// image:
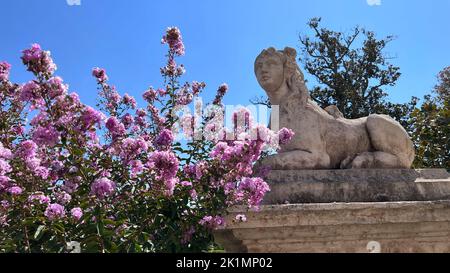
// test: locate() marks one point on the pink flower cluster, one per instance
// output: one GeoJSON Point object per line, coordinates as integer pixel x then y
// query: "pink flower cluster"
{"type": "Point", "coordinates": [103, 187]}
{"type": "Point", "coordinates": [164, 138]}
{"type": "Point", "coordinates": [255, 189]}
{"type": "Point", "coordinates": [72, 165]}
{"type": "Point", "coordinates": [115, 127]}
{"type": "Point", "coordinates": [212, 222]}
{"type": "Point", "coordinates": [4, 71]}
{"type": "Point", "coordinates": [76, 213]}
{"type": "Point", "coordinates": [285, 135]}
{"type": "Point", "coordinates": [38, 61]}
{"type": "Point", "coordinates": [174, 40]}
{"type": "Point", "coordinates": [223, 88]}
{"type": "Point", "coordinates": [165, 163]}
{"type": "Point", "coordinates": [176, 48]}
{"type": "Point", "coordinates": [100, 74]}
{"type": "Point", "coordinates": [54, 212]}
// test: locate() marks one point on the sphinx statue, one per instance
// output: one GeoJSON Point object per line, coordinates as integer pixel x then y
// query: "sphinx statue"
{"type": "Point", "coordinates": [324, 139]}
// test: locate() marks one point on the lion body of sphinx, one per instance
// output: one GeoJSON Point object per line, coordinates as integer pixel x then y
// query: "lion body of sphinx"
{"type": "Point", "coordinates": [324, 141]}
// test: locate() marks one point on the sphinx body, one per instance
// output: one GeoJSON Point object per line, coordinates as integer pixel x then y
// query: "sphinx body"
{"type": "Point", "coordinates": [324, 139]}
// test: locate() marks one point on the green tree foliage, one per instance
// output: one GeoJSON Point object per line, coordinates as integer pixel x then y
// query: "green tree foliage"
{"type": "Point", "coordinates": [352, 72]}
{"type": "Point", "coordinates": [431, 126]}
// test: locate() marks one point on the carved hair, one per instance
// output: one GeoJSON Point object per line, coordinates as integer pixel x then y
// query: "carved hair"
{"type": "Point", "coordinates": [292, 73]}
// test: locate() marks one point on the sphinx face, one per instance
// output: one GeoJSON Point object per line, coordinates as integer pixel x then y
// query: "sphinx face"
{"type": "Point", "coordinates": [269, 72]}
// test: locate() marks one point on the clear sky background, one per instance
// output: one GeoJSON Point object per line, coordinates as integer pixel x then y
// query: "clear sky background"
{"type": "Point", "coordinates": [222, 39]}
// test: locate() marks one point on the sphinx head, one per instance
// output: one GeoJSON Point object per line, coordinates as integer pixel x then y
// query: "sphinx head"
{"type": "Point", "coordinates": [274, 67]}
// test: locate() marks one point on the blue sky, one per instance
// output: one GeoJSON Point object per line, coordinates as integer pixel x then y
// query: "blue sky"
{"type": "Point", "coordinates": [222, 39]}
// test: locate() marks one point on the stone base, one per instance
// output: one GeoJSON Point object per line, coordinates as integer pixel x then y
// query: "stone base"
{"type": "Point", "coordinates": [418, 226]}
{"type": "Point", "coordinates": [365, 185]}
{"type": "Point", "coordinates": [393, 210]}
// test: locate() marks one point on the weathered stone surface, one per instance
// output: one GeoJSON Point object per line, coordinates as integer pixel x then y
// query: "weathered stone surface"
{"type": "Point", "coordinates": [324, 139]}
{"type": "Point", "coordinates": [365, 185]}
{"type": "Point", "coordinates": [419, 226]}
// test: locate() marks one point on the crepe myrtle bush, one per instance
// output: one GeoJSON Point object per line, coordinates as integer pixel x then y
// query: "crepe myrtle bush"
{"type": "Point", "coordinates": [113, 178]}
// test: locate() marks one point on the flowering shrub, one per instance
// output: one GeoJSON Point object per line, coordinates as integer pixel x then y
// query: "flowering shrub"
{"type": "Point", "coordinates": [115, 179]}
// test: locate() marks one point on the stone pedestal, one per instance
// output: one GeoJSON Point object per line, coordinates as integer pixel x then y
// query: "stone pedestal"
{"type": "Point", "coordinates": [366, 185]}
{"type": "Point", "coordinates": [346, 211]}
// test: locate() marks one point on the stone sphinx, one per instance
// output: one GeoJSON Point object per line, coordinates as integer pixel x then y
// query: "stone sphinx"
{"type": "Point", "coordinates": [324, 139]}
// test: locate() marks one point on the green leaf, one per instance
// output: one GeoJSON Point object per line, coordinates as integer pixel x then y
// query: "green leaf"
{"type": "Point", "coordinates": [39, 232]}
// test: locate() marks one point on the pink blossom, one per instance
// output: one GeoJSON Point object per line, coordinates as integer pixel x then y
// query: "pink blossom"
{"type": "Point", "coordinates": [76, 213]}
{"type": "Point", "coordinates": [4, 71]}
{"type": "Point", "coordinates": [129, 101]}
{"type": "Point", "coordinates": [32, 54]}
{"type": "Point", "coordinates": [166, 164]}
{"type": "Point", "coordinates": [174, 40]}
{"type": "Point", "coordinates": [222, 151]}
{"type": "Point", "coordinates": [173, 70]}
{"type": "Point", "coordinates": [4, 152]}
{"type": "Point", "coordinates": [255, 188]}
{"type": "Point", "coordinates": [42, 172]}
{"type": "Point", "coordinates": [47, 135]}
{"type": "Point", "coordinates": [56, 87]}
{"type": "Point", "coordinates": [197, 87]}
{"type": "Point", "coordinates": [221, 91]}
{"type": "Point", "coordinates": [170, 186]}
{"type": "Point", "coordinates": [115, 127]}
{"type": "Point", "coordinates": [38, 61]}
{"type": "Point", "coordinates": [32, 163]}
{"type": "Point", "coordinates": [161, 92]}
{"type": "Point", "coordinates": [71, 185]}
{"type": "Point", "coordinates": [200, 169]}
{"type": "Point", "coordinates": [27, 149]}
{"type": "Point", "coordinates": [186, 184]}
{"type": "Point", "coordinates": [157, 119]}
{"type": "Point", "coordinates": [4, 182]}
{"type": "Point", "coordinates": [4, 167]}
{"type": "Point", "coordinates": [19, 130]}
{"type": "Point", "coordinates": [63, 198]}
{"type": "Point", "coordinates": [136, 167]}
{"type": "Point", "coordinates": [132, 147]}
{"type": "Point", "coordinates": [99, 74]}
{"type": "Point", "coordinates": [63, 158]}
{"type": "Point", "coordinates": [103, 187]}
{"type": "Point", "coordinates": [189, 170]}
{"type": "Point", "coordinates": [90, 117]}
{"type": "Point", "coordinates": [141, 112]}
{"type": "Point", "coordinates": [127, 120]}
{"type": "Point", "coordinates": [54, 212]}
{"type": "Point", "coordinates": [164, 138]}
{"type": "Point", "coordinates": [41, 117]}
{"type": "Point", "coordinates": [184, 95]}
{"type": "Point", "coordinates": [15, 190]}
{"type": "Point", "coordinates": [40, 197]}
{"type": "Point", "coordinates": [149, 95]}
{"type": "Point", "coordinates": [211, 222]}
{"type": "Point", "coordinates": [193, 194]}
{"type": "Point", "coordinates": [285, 135]}
{"type": "Point", "coordinates": [30, 91]}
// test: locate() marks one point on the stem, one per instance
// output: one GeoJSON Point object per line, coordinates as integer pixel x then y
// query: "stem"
{"type": "Point", "coordinates": [27, 239]}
